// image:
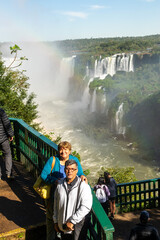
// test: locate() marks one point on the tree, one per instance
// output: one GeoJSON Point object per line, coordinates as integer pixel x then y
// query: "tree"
{"type": "Point", "coordinates": [14, 97]}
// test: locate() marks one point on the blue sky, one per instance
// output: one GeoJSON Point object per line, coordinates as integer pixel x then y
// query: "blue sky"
{"type": "Point", "coordinates": [50, 20]}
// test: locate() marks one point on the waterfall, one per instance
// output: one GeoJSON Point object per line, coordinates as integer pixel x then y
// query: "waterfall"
{"type": "Point", "coordinates": [93, 102]}
{"type": "Point", "coordinates": [111, 69]}
{"type": "Point", "coordinates": [131, 65]}
{"type": "Point", "coordinates": [61, 83]}
{"type": "Point", "coordinates": [98, 68]}
{"type": "Point", "coordinates": [120, 129]}
{"type": "Point", "coordinates": [110, 65]}
{"type": "Point", "coordinates": [103, 104]}
{"type": "Point", "coordinates": [125, 62]}
{"type": "Point", "coordinates": [86, 96]}
{"type": "Point", "coordinates": [104, 67]}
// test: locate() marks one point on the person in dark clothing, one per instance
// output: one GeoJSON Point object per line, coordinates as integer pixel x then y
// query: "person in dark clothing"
{"type": "Point", "coordinates": [6, 135]}
{"type": "Point", "coordinates": [112, 186]}
{"type": "Point", "coordinates": [144, 230]}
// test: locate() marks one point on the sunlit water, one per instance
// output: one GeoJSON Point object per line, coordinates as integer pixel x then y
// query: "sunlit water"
{"type": "Point", "coordinates": [57, 117]}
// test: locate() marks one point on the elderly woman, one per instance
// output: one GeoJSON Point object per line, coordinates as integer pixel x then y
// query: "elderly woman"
{"type": "Point", "coordinates": [64, 153]}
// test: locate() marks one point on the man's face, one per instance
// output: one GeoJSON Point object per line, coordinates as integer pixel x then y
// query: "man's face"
{"type": "Point", "coordinates": [71, 172]}
{"type": "Point", "coordinates": [64, 153]}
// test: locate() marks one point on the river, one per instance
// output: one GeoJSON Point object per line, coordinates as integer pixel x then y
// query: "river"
{"type": "Point", "coordinates": [57, 116]}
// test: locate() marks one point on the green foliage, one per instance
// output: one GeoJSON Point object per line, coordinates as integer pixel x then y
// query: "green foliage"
{"type": "Point", "coordinates": [76, 154]}
{"type": "Point", "coordinates": [133, 88]}
{"type": "Point", "coordinates": [120, 174]}
{"type": "Point", "coordinates": [15, 50]}
{"type": "Point", "coordinates": [14, 97]}
{"type": "Point", "coordinates": [109, 46]}
{"type": "Point", "coordinates": [86, 172]}
{"type": "Point", "coordinates": [51, 136]}
{"type": "Point", "coordinates": [106, 84]}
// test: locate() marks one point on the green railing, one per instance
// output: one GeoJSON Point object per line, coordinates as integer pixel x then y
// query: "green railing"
{"type": "Point", "coordinates": [138, 195]}
{"type": "Point", "coordinates": [33, 149]}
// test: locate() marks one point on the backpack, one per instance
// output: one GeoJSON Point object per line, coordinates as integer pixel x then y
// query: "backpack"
{"type": "Point", "coordinates": [101, 195]}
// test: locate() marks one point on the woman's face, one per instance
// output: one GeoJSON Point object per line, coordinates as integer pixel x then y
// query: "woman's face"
{"type": "Point", "coordinates": [64, 153]}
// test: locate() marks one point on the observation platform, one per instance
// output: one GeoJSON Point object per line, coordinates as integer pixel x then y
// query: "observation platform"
{"type": "Point", "coordinates": [22, 213]}
{"type": "Point", "coordinates": [21, 209]}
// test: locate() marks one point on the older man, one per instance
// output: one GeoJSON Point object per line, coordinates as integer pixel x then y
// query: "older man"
{"type": "Point", "coordinates": [72, 202]}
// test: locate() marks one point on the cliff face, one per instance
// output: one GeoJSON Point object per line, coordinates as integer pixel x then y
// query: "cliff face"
{"type": "Point", "coordinates": [145, 58]}
{"type": "Point", "coordinates": [144, 120]}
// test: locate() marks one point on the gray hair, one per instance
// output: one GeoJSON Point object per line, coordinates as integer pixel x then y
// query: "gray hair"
{"type": "Point", "coordinates": [70, 162]}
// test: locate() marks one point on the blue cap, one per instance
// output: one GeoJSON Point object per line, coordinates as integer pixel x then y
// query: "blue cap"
{"type": "Point", "coordinates": [144, 215]}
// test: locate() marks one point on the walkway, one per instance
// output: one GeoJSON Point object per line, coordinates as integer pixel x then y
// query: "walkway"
{"type": "Point", "coordinates": [20, 207]}
{"type": "Point", "coordinates": [124, 222]}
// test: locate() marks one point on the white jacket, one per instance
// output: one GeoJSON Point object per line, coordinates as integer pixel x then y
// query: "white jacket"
{"type": "Point", "coordinates": [65, 203]}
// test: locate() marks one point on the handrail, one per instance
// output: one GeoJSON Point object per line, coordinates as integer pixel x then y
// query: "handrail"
{"type": "Point", "coordinates": [138, 195]}
{"type": "Point", "coordinates": [33, 149]}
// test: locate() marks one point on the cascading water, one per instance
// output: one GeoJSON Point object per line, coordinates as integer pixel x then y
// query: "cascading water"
{"type": "Point", "coordinates": [131, 65]}
{"type": "Point", "coordinates": [125, 62]}
{"type": "Point", "coordinates": [120, 129]}
{"type": "Point", "coordinates": [86, 95]}
{"type": "Point", "coordinates": [93, 102]}
{"type": "Point", "coordinates": [103, 104]}
{"type": "Point", "coordinates": [110, 65]}
{"type": "Point", "coordinates": [61, 83]}
{"type": "Point", "coordinates": [104, 67]}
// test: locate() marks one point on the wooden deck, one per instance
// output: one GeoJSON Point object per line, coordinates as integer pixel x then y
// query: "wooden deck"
{"type": "Point", "coordinates": [124, 222]}
{"type": "Point", "coordinates": [20, 207]}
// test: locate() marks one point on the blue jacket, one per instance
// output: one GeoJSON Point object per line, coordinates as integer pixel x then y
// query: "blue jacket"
{"type": "Point", "coordinates": [51, 178]}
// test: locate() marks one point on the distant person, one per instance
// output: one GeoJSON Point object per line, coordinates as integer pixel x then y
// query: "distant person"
{"type": "Point", "coordinates": [6, 136]}
{"type": "Point", "coordinates": [112, 186]}
{"type": "Point", "coordinates": [58, 172]}
{"type": "Point", "coordinates": [72, 202]}
{"type": "Point", "coordinates": [144, 230]}
{"type": "Point", "coordinates": [102, 193]}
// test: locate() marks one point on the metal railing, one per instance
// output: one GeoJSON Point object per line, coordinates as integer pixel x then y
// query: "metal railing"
{"type": "Point", "coordinates": [33, 149]}
{"type": "Point", "coordinates": [138, 195]}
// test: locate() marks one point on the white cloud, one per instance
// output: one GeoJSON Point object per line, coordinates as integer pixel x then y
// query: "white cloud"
{"type": "Point", "coordinates": [97, 7]}
{"type": "Point", "coordinates": [75, 14]}
{"type": "Point", "coordinates": [149, 0]}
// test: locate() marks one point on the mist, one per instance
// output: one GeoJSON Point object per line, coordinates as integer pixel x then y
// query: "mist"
{"type": "Point", "coordinates": [49, 78]}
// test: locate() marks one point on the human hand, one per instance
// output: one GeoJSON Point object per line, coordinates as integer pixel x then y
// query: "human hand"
{"type": "Point", "coordinates": [83, 178]}
{"type": "Point", "coordinates": [70, 226]}
{"type": "Point", "coordinates": [10, 139]}
{"type": "Point", "coordinates": [56, 227]}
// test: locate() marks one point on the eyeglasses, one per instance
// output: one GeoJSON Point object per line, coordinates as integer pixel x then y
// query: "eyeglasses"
{"type": "Point", "coordinates": [70, 169]}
